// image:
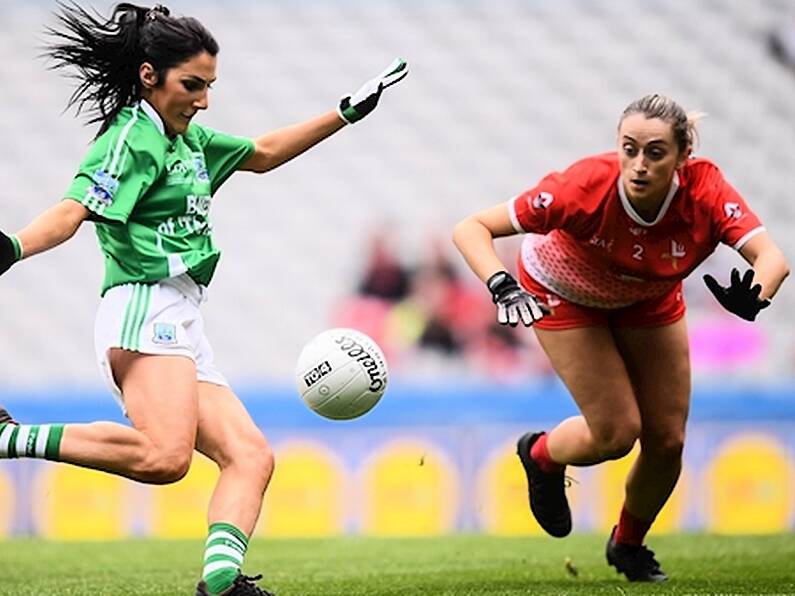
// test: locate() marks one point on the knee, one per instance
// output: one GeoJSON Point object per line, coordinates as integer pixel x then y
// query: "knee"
{"type": "Point", "coordinates": [253, 453]}
{"type": "Point", "coordinates": [663, 448]}
{"type": "Point", "coordinates": [164, 466]}
{"type": "Point", "coordinates": [265, 460]}
{"type": "Point", "coordinates": [617, 440]}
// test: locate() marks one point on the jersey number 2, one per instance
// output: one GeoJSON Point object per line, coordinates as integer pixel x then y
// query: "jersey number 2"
{"type": "Point", "coordinates": [637, 252]}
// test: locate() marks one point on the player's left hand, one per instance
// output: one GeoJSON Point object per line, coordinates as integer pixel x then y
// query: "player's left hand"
{"type": "Point", "coordinates": [356, 106]}
{"type": "Point", "coordinates": [9, 252]}
{"type": "Point", "coordinates": [513, 303]}
{"type": "Point", "coordinates": [740, 297]}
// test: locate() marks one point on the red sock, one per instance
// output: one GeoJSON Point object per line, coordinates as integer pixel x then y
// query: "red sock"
{"type": "Point", "coordinates": [540, 455]}
{"type": "Point", "coordinates": [631, 530]}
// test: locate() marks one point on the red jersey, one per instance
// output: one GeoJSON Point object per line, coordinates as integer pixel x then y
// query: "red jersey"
{"type": "Point", "coordinates": [587, 243]}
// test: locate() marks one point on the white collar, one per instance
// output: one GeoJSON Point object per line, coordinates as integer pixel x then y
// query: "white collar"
{"type": "Point", "coordinates": [635, 216]}
{"type": "Point", "coordinates": [150, 111]}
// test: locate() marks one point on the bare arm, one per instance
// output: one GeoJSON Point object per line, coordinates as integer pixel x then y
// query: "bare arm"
{"type": "Point", "coordinates": [474, 238]}
{"type": "Point", "coordinates": [280, 146]}
{"type": "Point", "coordinates": [54, 226]}
{"type": "Point", "coordinates": [770, 265]}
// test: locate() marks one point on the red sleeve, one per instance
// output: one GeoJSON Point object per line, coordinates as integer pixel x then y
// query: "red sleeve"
{"type": "Point", "coordinates": [733, 221]}
{"type": "Point", "coordinates": [561, 200]}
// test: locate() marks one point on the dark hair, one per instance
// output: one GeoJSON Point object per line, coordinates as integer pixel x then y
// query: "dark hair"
{"type": "Point", "coordinates": [666, 109]}
{"type": "Point", "coordinates": [107, 53]}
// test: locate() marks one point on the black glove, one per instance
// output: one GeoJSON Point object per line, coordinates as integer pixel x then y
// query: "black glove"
{"type": "Point", "coordinates": [356, 106]}
{"type": "Point", "coordinates": [740, 297]}
{"type": "Point", "coordinates": [513, 303]}
{"type": "Point", "coordinates": [9, 252]}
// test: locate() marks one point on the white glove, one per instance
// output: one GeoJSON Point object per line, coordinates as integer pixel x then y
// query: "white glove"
{"type": "Point", "coordinates": [514, 305]}
{"type": "Point", "coordinates": [354, 107]}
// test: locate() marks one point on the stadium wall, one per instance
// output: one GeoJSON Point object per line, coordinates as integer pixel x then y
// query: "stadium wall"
{"type": "Point", "coordinates": [428, 460]}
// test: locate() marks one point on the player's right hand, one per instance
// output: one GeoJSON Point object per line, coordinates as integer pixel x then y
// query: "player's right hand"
{"type": "Point", "coordinates": [9, 252]}
{"type": "Point", "coordinates": [357, 105]}
{"type": "Point", "coordinates": [513, 303]}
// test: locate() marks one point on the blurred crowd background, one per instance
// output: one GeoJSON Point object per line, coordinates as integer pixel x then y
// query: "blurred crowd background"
{"type": "Point", "coordinates": [358, 233]}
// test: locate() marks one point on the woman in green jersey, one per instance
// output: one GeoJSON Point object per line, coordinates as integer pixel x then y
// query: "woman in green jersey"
{"type": "Point", "coordinates": [147, 183]}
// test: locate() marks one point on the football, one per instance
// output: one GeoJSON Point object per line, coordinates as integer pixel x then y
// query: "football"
{"type": "Point", "coordinates": [341, 373]}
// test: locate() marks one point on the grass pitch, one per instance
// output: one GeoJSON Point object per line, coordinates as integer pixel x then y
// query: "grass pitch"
{"type": "Point", "coordinates": [447, 566]}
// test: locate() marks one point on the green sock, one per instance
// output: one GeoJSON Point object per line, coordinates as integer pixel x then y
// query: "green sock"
{"type": "Point", "coordinates": [30, 440]}
{"type": "Point", "coordinates": [223, 556]}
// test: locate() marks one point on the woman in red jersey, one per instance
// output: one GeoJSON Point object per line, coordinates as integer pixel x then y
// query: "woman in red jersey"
{"type": "Point", "coordinates": [609, 241]}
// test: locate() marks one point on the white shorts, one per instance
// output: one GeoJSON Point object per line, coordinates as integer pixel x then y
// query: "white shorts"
{"type": "Point", "coordinates": [162, 318]}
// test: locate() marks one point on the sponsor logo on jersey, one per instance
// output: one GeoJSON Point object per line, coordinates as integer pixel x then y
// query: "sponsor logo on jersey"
{"type": "Point", "coordinates": [197, 204]}
{"type": "Point", "coordinates": [165, 333]}
{"type": "Point", "coordinates": [542, 200]}
{"type": "Point", "coordinates": [677, 252]}
{"type": "Point", "coordinates": [637, 231]}
{"type": "Point", "coordinates": [733, 210]}
{"type": "Point", "coordinates": [200, 168]}
{"type": "Point", "coordinates": [103, 188]}
{"type": "Point", "coordinates": [186, 172]}
{"type": "Point", "coordinates": [317, 373]}
{"type": "Point", "coordinates": [195, 220]}
{"type": "Point", "coordinates": [99, 194]}
{"type": "Point", "coordinates": [178, 172]}
{"type": "Point", "coordinates": [601, 243]}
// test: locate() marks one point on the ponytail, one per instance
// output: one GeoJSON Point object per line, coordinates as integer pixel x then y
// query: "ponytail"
{"type": "Point", "coordinates": [107, 53]}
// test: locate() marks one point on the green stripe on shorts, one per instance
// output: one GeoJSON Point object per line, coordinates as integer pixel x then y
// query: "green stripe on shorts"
{"type": "Point", "coordinates": [134, 316]}
{"type": "Point", "coordinates": [126, 322]}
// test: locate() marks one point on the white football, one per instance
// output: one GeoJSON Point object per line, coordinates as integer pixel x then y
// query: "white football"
{"type": "Point", "coordinates": [341, 373]}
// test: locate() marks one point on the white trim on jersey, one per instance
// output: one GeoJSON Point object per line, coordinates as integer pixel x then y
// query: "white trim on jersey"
{"type": "Point", "coordinates": [663, 210]}
{"type": "Point", "coordinates": [117, 155]}
{"type": "Point", "coordinates": [514, 219]}
{"type": "Point", "coordinates": [150, 111]}
{"type": "Point", "coordinates": [176, 266]}
{"type": "Point", "coordinates": [741, 242]}
{"type": "Point", "coordinates": [120, 145]}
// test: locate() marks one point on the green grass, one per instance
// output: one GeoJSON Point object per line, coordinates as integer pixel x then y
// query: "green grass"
{"type": "Point", "coordinates": [353, 566]}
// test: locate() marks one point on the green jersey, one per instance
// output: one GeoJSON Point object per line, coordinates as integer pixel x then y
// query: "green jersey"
{"type": "Point", "coordinates": [151, 195]}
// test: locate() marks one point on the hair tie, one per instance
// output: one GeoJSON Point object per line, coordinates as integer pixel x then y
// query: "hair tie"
{"type": "Point", "coordinates": [152, 13]}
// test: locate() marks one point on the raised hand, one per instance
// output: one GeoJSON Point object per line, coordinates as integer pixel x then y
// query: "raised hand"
{"type": "Point", "coordinates": [513, 303]}
{"type": "Point", "coordinates": [739, 297]}
{"type": "Point", "coordinates": [356, 106]}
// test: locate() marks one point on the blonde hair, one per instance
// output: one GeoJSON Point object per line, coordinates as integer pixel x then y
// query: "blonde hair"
{"type": "Point", "coordinates": [684, 124]}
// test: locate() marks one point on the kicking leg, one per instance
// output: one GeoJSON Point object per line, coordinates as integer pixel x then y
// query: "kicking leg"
{"type": "Point", "coordinates": [161, 399]}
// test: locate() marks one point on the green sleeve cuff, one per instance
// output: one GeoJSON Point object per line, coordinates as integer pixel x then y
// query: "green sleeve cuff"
{"type": "Point", "coordinates": [17, 247]}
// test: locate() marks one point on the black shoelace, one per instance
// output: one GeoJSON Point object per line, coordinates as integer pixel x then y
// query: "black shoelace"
{"type": "Point", "coordinates": [244, 584]}
{"type": "Point", "coordinates": [646, 558]}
